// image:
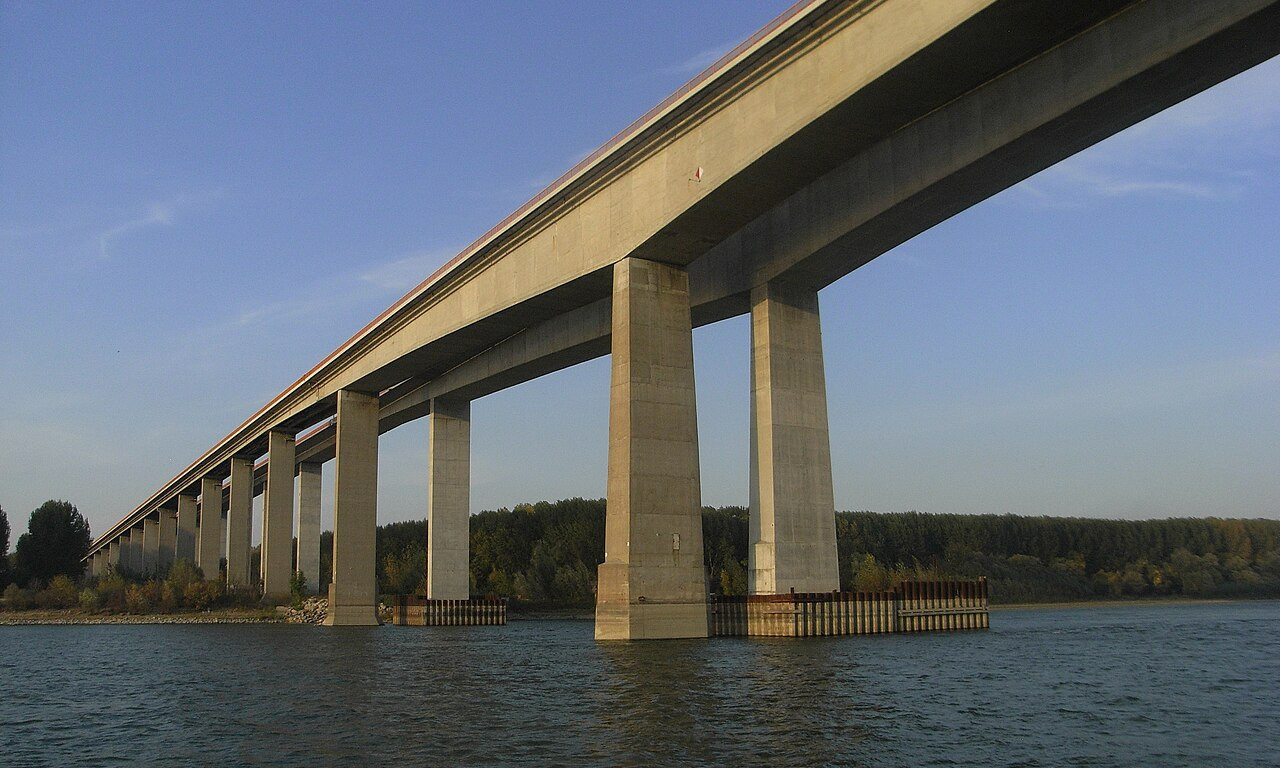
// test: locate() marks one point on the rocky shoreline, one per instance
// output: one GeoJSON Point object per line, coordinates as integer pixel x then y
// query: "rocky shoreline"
{"type": "Point", "coordinates": [72, 616]}
{"type": "Point", "coordinates": [313, 611]}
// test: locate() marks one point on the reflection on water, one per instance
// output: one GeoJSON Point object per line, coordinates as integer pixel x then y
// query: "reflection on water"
{"type": "Point", "coordinates": [1167, 685]}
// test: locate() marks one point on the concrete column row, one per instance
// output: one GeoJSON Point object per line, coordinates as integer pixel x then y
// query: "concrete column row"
{"type": "Point", "coordinates": [652, 583]}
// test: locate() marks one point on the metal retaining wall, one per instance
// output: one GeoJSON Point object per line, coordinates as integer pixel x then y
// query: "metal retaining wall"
{"type": "Point", "coordinates": [912, 606]}
{"type": "Point", "coordinates": [411, 610]}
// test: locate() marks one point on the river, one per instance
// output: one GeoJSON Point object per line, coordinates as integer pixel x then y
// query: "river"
{"type": "Point", "coordinates": [1160, 685]}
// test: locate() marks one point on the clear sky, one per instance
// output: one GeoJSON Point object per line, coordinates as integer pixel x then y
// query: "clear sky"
{"type": "Point", "coordinates": [200, 201]}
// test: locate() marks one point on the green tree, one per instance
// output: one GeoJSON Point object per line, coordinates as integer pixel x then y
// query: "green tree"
{"type": "Point", "coordinates": [4, 549]}
{"type": "Point", "coordinates": [56, 542]}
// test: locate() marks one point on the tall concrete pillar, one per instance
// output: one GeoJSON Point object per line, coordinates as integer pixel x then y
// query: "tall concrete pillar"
{"type": "Point", "coordinates": [185, 544]}
{"type": "Point", "coordinates": [240, 522]}
{"type": "Point", "coordinates": [113, 555]}
{"type": "Point", "coordinates": [652, 583]}
{"type": "Point", "coordinates": [135, 551]}
{"type": "Point", "coordinates": [309, 524]}
{"type": "Point", "coordinates": [168, 537]}
{"type": "Point", "coordinates": [95, 564]}
{"type": "Point", "coordinates": [353, 593]}
{"type": "Point", "coordinates": [449, 500]}
{"type": "Point", "coordinates": [277, 518]}
{"type": "Point", "coordinates": [209, 532]}
{"type": "Point", "coordinates": [150, 546]}
{"type": "Point", "coordinates": [793, 523]}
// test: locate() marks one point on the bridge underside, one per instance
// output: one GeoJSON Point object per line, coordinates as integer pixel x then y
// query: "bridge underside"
{"type": "Point", "coordinates": [838, 134]}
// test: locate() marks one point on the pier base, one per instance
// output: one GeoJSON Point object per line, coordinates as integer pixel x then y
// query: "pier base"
{"type": "Point", "coordinates": [912, 606]}
{"type": "Point", "coordinates": [417, 611]}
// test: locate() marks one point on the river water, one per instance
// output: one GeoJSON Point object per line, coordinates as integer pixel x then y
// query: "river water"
{"type": "Point", "coordinates": [1159, 685]}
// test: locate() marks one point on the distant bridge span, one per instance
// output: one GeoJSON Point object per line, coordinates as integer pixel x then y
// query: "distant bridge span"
{"type": "Point", "coordinates": [840, 130]}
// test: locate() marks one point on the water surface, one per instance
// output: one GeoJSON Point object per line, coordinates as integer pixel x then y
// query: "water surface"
{"type": "Point", "coordinates": [1167, 685]}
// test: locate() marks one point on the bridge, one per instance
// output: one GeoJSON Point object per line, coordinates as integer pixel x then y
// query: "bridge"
{"type": "Point", "coordinates": [840, 130]}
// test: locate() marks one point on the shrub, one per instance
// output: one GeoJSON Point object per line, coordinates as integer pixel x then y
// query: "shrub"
{"type": "Point", "coordinates": [297, 588]}
{"type": "Point", "coordinates": [137, 599]}
{"type": "Point", "coordinates": [111, 590]}
{"type": "Point", "coordinates": [183, 573]}
{"type": "Point", "coordinates": [90, 600]}
{"type": "Point", "coordinates": [17, 598]}
{"type": "Point", "coordinates": [168, 598]}
{"type": "Point", "coordinates": [202, 595]}
{"type": "Point", "coordinates": [61, 593]}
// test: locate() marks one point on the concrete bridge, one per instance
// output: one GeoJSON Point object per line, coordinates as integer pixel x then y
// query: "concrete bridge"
{"type": "Point", "coordinates": [840, 130]}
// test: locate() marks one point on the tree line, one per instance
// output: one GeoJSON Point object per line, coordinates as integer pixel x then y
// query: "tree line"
{"type": "Point", "coordinates": [546, 554]}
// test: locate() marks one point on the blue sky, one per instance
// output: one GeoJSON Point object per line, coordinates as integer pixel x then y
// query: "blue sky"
{"type": "Point", "coordinates": [199, 201]}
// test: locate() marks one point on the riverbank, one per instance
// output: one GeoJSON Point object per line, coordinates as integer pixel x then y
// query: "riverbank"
{"type": "Point", "coordinates": [1125, 603]}
{"type": "Point", "coordinates": [75, 616]}
{"type": "Point", "coordinates": [275, 616]}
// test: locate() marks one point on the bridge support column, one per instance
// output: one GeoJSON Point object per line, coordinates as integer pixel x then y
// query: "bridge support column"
{"type": "Point", "coordinates": [353, 593]}
{"type": "Point", "coordinates": [449, 501]}
{"type": "Point", "coordinates": [652, 583]}
{"type": "Point", "coordinates": [168, 537]}
{"type": "Point", "coordinates": [793, 526]}
{"type": "Point", "coordinates": [209, 531]}
{"type": "Point", "coordinates": [240, 522]}
{"type": "Point", "coordinates": [95, 564]}
{"type": "Point", "coordinates": [185, 544]}
{"type": "Point", "coordinates": [113, 555]}
{"type": "Point", "coordinates": [309, 524]}
{"type": "Point", "coordinates": [150, 546]}
{"type": "Point", "coordinates": [135, 551]}
{"type": "Point", "coordinates": [277, 518]}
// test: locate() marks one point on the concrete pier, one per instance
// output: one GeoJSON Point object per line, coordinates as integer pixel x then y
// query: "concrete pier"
{"type": "Point", "coordinates": [135, 551]}
{"type": "Point", "coordinates": [449, 500]}
{"type": "Point", "coordinates": [793, 518]}
{"type": "Point", "coordinates": [209, 530]}
{"type": "Point", "coordinates": [240, 522]}
{"type": "Point", "coordinates": [185, 545]}
{"type": "Point", "coordinates": [168, 537]}
{"type": "Point", "coordinates": [150, 546]}
{"type": "Point", "coordinates": [277, 518]}
{"type": "Point", "coordinates": [353, 594]}
{"type": "Point", "coordinates": [113, 555]}
{"type": "Point", "coordinates": [309, 524]}
{"type": "Point", "coordinates": [651, 583]}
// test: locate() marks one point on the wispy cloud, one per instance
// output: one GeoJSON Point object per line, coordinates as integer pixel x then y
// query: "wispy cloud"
{"type": "Point", "coordinates": [1077, 183]}
{"type": "Point", "coordinates": [157, 214]}
{"type": "Point", "coordinates": [401, 274]}
{"type": "Point", "coordinates": [698, 61]}
{"type": "Point", "coordinates": [1206, 148]}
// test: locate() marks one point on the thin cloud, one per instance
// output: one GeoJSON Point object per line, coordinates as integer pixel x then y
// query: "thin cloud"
{"type": "Point", "coordinates": [1079, 179]}
{"type": "Point", "coordinates": [698, 61]}
{"type": "Point", "coordinates": [1205, 148]}
{"type": "Point", "coordinates": [402, 274]}
{"type": "Point", "coordinates": [159, 214]}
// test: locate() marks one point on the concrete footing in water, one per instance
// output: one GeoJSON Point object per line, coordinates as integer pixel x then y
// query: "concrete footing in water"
{"type": "Point", "coordinates": [408, 610]}
{"type": "Point", "coordinates": [912, 606]}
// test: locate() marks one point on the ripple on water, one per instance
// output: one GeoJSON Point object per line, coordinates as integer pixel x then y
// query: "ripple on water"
{"type": "Point", "coordinates": [1174, 685]}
